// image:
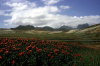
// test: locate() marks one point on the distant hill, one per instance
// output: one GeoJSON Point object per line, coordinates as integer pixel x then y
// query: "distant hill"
{"type": "Point", "coordinates": [82, 26]}
{"type": "Point", "coordinates": [65, 28]}
{"type": "Point", "coordinates": [89, 29]}
{"type": "Point", "coordinates": [4, 28]}
{"type": "Point", "coordinates": [92, 29]}
{"type": "Point", "coordinates": [22, 27]}
{"type": "Point", "coordinates": [45, 28]}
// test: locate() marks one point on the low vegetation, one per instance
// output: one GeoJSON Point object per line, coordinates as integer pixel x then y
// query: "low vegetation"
{"type": "Point", "coordinates": [34, 52]}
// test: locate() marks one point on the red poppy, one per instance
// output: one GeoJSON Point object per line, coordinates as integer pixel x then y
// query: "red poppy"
{"type": "Point", "coordinates": [49, 55]}
{"type": "Point", "coordinates": [76, 55]}
{"type": "Point", "coordinates": [21, 53]}
{"type": "Point", "coordinates": [64, 52]}
{"type": "Point", "coordinates": [33, 47]}
{"type": "Point", "coordinates": [27, 48]}
{"type": "Point", "coordinates": [13, 61]}
{"type": "Point", "coordinates": [6, 52]}
{"type": "Point", "coordinates": [52, 57]}
{"type": "Point", "coordinates": [1, 50]}
{"type": "Point", "coordinates": [38, 50]}
{"type": "Point", "coordinates": [29, 52]}
{"type": "Point", "coordinates": [0, 57]}
{"type": "Point", "coordinates": [56, 50]}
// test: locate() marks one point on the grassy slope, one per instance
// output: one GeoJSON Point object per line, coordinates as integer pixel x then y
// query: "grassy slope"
{"type": "Point", "coordinates": [53, 36]}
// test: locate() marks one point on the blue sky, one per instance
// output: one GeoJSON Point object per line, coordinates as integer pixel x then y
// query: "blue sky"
{"type": "Point", "coordinates": [53, 13]}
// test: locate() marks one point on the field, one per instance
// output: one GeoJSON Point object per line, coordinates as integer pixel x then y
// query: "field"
{"type": "Point", "coordinates": [46, 48]}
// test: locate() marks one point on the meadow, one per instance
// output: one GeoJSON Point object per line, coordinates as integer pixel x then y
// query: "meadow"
{"type": "Point", "coordinates": [46, 48]}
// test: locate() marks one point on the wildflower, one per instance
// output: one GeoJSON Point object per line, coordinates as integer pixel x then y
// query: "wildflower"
{"type": "Point", "coordinates": [1, 50]}
{"type": "Point", "coordinates": [38, 50]}
{"type": "Point", "coordinates": [52, 57]}
{"type": "Point", "coordinates": [13, 61]}
{"type": "Point", "coordinates": [0, 57]}
{"type": "Point", "coordinates": [64, 52]}
{"type": "Point", "coordinates": [49, 55]}
{"type": "Point", "coordinates": [27, 48]}
{"type": "Point", "coordinates": [76, 55]}
{"type": "Point", "coordinates": [21, 53]}
{"type": "Point", "coordinates": [29, 52]}
{"type": "Point", "coordinates": [56, 50]}
{"type": "Point", "coordinates": [6, 52]}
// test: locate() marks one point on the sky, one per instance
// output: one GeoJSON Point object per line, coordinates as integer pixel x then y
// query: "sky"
{"type": "Point", "coordinates": [54, 13]}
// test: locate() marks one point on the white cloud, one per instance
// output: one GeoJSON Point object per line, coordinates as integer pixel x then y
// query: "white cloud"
{"type": "Point", "coordinates": [21, 6]}
{"type": "Point", "coordinates": [24, 13]}
{"type": "Point", "coordinates": [64, 7]}
{"type": "Point", "coordinates": [50, 2]}
{"type": "Point", "coordinates": [2, 12]}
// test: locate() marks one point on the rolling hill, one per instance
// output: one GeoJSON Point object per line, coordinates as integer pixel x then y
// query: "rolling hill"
{"type": "Point", "coordinates": [92, 29]}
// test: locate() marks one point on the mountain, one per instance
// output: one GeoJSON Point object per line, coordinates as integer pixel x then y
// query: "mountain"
{"type": "Point", "coordinates": [65, 28]}
{"type": "Point", "coordinates": [92, 29]}
{"type": "Point", "coordinates": [82, 26]}
{"type": "Point", "coordinates": [22, 27]}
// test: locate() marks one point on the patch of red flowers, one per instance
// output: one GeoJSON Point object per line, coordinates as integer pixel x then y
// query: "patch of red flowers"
{"type": "Point", "coordinates": [23, 49]}
{"type": "Point", "coordinates": [76, 55]}
{"type": "Point", "coordinates": [38, 50]}
{"type": "Point", "coordinates": [21, 53]}
{"type": "Point", "coordinates": [1, 57]}
{"type": "Point", "coordinates": [56, 50]}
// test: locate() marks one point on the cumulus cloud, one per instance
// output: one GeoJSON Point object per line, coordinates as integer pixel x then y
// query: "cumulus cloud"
{"type": "Point", "coordinates": [50, 2]}
{"type": "Point", "coordinates": [28, 13]}
{"type": "Point", "coordinates": [64, 7]}
{"type": "Point", "coordinates": [2, 12]}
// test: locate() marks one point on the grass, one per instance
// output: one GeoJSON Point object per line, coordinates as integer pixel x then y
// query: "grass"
{"type": "Point", "coordinates": [53, 36]}
{"type": "Point", "coordinates": [90, 57]}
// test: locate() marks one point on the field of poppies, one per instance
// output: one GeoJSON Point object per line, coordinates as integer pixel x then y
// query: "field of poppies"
{"type": "Point", "coordinates": [35, 52]}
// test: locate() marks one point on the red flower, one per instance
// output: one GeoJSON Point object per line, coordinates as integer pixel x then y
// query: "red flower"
{"type": "Point", "coordinates": [21, 53]}
{"type": "Point", "coordinates": [13, 61]}
{"type": "Point", "coordinates": [64, 52]}
{"type": "Point", "coordinates": [6, 52]}
{"type": "Point", "coordinates": [33, 47]}
{"type": "Point", "coordinates": [1, 50]}
{"type": "Point", "coordinates": [76, 55]}
{"type": "Point", "coordinates": [52, 57]}
{"type": "Point", "coordinates": [56, 50]}
{"type": "Point", "coordinates": [27, 48]}
{"type": "Point", "coordinates": [0, 57]}
{"type": "Point", "coordinates": [49, 55]}
{"type": "Point", "coordinates": [38, 50]}
{"type": "Point", "coordinates": [29, 52]}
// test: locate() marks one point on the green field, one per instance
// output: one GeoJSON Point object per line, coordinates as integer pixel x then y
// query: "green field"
{"type": "Point", "coordinates": [49, 35]}
{"type": "Point", "coordinates": [85, 44]}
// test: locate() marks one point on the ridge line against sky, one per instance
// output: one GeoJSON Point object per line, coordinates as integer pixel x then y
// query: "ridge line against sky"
{"type": "Point", "coordinates": [54, 13]}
